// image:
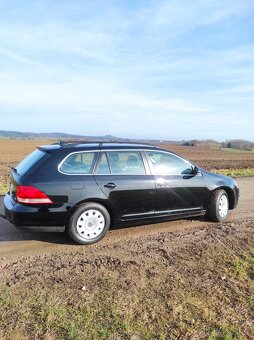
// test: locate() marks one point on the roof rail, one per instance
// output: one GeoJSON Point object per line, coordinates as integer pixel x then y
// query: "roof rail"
{"type": "Point", "coordinates": [76, 142]}
{"type": "Point", "coordinates": [65, 143]}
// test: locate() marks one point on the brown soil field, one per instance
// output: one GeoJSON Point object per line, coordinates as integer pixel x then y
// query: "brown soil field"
{"type": "Point", "coordinates": [13, 151]}
{"type": "Point", "coordinates": [214, 158]}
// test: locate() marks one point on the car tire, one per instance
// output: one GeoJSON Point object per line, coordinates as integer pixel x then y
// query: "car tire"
{"type": "Point", "coordinates": [89, 223]}
{"type": "Point", "coordinates": [219, 205]}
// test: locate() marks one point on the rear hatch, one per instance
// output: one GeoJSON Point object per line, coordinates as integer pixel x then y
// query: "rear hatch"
{"type": "Point", "coordinates": [20, 173]}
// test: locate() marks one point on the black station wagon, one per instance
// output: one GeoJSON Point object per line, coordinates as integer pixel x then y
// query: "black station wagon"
{"type": "Point", "coordinates": [86, 187]}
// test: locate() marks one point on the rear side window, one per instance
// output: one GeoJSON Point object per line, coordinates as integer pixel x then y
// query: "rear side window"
{"type": "Point", "coordinates": [29, 161]}
{"type": "Point", "coordinates": [79, 163]}
{"type": "Point", "coordinates": [121, 162]}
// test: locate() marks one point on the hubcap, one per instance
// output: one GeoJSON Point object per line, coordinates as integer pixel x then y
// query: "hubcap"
{"type": "Point", "coordinates": [223, 206]}
{"type": "Point", "coordinates": [90, 224]}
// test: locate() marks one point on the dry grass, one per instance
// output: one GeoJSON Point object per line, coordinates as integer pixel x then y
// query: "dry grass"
{"type": "Point", "coordinates": [236, 172]}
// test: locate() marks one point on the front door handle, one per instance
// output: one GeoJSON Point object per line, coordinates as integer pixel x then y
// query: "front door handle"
{"type": "Point", "coordinates": [161, 183]}
{"type": "Point", "coordinates": [110, 185]}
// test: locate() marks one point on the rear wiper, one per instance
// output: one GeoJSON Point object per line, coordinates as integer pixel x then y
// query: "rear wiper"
{"type": "Point", "coordinates": [14, 169]}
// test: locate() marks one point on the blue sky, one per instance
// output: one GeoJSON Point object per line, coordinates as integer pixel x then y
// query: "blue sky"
{"type": "Point", "coordinates": [149, 69]}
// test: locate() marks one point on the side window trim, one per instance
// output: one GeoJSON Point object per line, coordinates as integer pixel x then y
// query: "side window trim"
{"type": "Point", "coordinates": [97, 165]}
{"type": "Point", "coordinates": [146, 163]}
{"type": "Point", "coordinates": [106, 155]}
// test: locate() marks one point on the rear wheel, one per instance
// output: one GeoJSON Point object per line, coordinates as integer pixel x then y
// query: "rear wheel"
{"type": "Point", "coordinates": [218, 207]}
{"type": "Point", "coordinates": [89, 223]}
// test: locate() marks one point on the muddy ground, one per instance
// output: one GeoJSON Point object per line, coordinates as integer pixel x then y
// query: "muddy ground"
{"type": "Point", "coordinates": [187, 279]}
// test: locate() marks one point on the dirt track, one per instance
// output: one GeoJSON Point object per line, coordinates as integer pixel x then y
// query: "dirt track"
{"type": "Point", "coordinates": [16, 243]}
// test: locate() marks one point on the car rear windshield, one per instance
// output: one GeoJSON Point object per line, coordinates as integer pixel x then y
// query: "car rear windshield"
{"type": "Point", "coordinates": [29, 161]}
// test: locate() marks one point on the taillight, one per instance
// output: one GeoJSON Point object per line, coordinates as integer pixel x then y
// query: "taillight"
{"type": "Point", "coordinates": [31, 195]}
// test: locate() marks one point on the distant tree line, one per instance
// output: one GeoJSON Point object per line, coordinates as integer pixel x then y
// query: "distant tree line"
{"type": "Point", "coordinates": [238, 144]}
{"type": "Point", "coordinates": [190, 143]}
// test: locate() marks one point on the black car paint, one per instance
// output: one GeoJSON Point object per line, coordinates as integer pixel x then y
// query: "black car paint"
{"type": "Point", "coordinates": [135, 197]}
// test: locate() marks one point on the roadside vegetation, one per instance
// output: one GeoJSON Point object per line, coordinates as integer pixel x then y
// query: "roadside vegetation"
{"type": "Point", "coordinates": [236, 172]}
{"type": "Point", "coordinates": [234, 150]}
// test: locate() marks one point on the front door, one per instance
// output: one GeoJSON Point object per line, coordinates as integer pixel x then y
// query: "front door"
{"type": "Point", "coordinates": [179, 190]}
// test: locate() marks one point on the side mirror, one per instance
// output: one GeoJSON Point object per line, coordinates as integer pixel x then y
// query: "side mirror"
{"type": "Point", "coordinates": [195, 170]}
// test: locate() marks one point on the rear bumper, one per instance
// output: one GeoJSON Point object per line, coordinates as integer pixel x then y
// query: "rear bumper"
{"type": "Point", "coordinates": [41, 216]}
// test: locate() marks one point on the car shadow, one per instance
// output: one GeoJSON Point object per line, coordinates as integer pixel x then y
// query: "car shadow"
{"type": "Point", "coordinates": [8, 232]}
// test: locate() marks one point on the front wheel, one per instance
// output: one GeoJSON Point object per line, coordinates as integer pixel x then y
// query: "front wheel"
{"type": "Point", "coordinates": [218, 207]}
{"type": "Point", "coordinates": [89, 223]}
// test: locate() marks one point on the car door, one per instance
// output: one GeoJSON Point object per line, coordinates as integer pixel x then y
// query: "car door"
{"type": "Point", "coordinates": [77, 180]}
{"type": "Point", "coordinates": [125, 179]}
{"type": "Point", "coordinates": [178, 188]}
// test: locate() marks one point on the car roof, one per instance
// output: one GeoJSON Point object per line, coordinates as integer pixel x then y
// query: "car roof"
{"type": "Point", "coordinates": [83, 146]}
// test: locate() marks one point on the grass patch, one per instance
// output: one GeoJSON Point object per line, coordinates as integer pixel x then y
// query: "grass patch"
{"type": "Point", "coordinates": [160, 307]}
{"type": "Point", "coordinates": [236, 172]}
{"type": "Point", "coordinates": [243, 267]}
{"type": "Point", "coordinates": [234, 150]}
{"type": "Point", "coordinates": [223, 331]}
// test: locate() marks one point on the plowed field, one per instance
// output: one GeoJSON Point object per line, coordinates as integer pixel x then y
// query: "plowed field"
{"type": "Point", "coordinates": [13, 151]}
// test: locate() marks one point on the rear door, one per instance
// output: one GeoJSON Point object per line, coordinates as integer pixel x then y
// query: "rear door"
{"type": "Point", "coordinates": [125, 179]}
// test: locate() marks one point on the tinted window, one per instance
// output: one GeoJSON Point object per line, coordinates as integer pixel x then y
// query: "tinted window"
{"type": "Point", "coordinates": [29, 161]}
{"type": "Point", "coordinates": [167, 164]}
{"type": "Point", "coordinates": [79, 163]}
{"type": "Point", "coordinates": [126, 162]}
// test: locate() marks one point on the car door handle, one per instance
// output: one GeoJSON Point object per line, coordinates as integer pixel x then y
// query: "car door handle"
{"type": "Point", "coordinates": [110, 185]}
{"type": "Point", "coordinates": [161, 183]}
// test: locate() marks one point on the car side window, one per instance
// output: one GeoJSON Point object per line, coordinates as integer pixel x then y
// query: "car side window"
{"type": "Point", "coordinates": [163, 163]}
{"type": "Point", "coordinates": [78, 163]}
{"type": "Point", "coordinates": [125, 162]}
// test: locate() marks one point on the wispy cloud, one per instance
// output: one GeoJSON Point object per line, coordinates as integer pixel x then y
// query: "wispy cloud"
{"type": "Point", "coordinates": [16, 56]}
{"type": "Point", "coordinates": [160, 64]}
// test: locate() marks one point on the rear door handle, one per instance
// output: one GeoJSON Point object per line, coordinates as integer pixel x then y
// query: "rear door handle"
{"type": "Point", "coordinates": [110, 185]}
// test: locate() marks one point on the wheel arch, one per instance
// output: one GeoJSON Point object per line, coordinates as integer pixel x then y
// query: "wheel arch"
{"type": "Point", "coordinates": [94, 200]}
{"type": "Point", "coordinates": [230, 193]}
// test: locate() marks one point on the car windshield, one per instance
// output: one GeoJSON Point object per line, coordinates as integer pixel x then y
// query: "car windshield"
{"type": "Point", "coordinates": [29, 161]}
